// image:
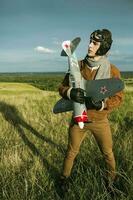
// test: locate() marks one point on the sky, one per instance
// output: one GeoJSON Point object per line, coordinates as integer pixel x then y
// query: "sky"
{"type": "Point", "coordinates": [32, 31]}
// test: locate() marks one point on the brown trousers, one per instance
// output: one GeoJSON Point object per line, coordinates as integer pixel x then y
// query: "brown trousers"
{"type": "Point", "coordinates": [102, 133]}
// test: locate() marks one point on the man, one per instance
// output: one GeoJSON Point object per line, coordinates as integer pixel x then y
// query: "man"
{"type": "Point", "coordinates": [94, 66]}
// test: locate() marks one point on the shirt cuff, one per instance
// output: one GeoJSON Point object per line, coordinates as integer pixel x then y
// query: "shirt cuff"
{"type": "Point", "coordinates": [68, 92]}
{"type": "Point", "coordinates": [102, 106]}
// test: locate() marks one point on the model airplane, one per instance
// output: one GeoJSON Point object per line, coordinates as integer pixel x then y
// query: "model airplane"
{"type": "Point", "coordinates": [96, 89]}
{"type": "Point", "coordinates": [79, 110]}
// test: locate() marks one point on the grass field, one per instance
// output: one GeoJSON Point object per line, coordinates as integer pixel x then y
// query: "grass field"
{"type": "Point", "coordinates": [33, 142]}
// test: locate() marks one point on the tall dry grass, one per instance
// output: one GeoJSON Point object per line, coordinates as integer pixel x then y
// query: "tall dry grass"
{"type": "Point", "coordinates": [33, 142]}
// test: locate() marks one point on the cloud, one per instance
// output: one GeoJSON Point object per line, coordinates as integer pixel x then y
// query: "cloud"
{"type": "Point", "coordinates": [41, 49]}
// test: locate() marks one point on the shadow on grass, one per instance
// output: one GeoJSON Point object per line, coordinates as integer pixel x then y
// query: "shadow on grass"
{"type": "Point", "coordinates": [13, 116]}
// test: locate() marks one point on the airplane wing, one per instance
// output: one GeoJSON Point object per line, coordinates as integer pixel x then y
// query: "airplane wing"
{"type": "Point", "coordinates": [103, 88]}
{"type": "Point", "coordinates": [63, 105]}
{"type": "Point", "coordinates": [96, 89]}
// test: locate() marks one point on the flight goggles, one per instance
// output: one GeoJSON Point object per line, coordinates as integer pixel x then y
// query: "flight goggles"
{"type": "Point", "coordinates": [97, 36]}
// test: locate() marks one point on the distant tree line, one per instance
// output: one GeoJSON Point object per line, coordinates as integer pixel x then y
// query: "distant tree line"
{"type": "Point", "coordinates": [43, 81]}
{"type": "Point", "coordinates": [47, 81]}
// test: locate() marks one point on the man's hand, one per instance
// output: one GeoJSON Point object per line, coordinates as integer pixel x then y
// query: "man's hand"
{"type": "Point", "coordinates": [77, 95]}
{"type": "Point", "coordinates": [91, 104]}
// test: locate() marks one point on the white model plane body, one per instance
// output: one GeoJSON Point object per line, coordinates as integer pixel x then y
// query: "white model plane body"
{"type": "Point", "coordinates": [76, 81]}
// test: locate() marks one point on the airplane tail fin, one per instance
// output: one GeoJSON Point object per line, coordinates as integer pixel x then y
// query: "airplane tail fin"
{"type": "Point", "coordinates": [73, 45]}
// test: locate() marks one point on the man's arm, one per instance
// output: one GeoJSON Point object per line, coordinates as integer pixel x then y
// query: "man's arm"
{"type": "Point", "coordinates": [67, 92]}
{"type": "Point", "coordinates": [64, 87]}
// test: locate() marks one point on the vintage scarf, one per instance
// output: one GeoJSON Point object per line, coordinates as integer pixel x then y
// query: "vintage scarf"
{"type": "Point", "coordinates": [102, 64]}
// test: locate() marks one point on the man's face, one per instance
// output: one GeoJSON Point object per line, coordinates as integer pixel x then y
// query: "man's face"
{"type": "Point", "coordinates": [92, 48]}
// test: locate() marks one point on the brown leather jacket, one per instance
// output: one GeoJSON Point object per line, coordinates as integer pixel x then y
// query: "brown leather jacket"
{"type": "Point", "coordinates": [111, 102]}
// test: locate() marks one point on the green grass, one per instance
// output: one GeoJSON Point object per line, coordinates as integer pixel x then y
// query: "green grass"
{"type": "Point", "coordinates": [33, 142]}
{"type": "Point", "coordinates": [17, 88]}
